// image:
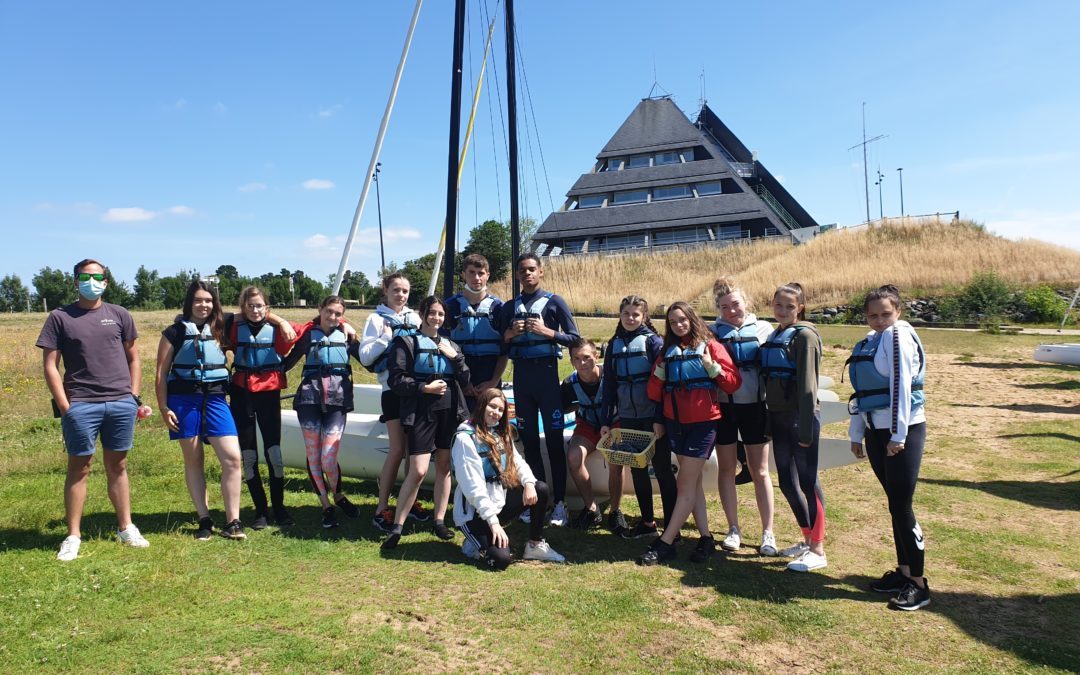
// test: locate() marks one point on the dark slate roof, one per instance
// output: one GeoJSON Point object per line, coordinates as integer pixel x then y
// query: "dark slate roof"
{"type": "Point", "coordinates": [656, 125]}
{"type": "Point", "coordinates": [669, 174]}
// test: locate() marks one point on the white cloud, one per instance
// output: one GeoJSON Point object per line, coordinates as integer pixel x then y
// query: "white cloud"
{"type": "Point", "coordinates": [317, 241]}
{"type": "Point", "coordinates": [1056, 227]}
{"type": "Point", "coordinates": [77, 208]}
{"type": "Point", "coordinates": [130, 214]}
{"type": "Point", "coordinates": [318, 184]}
{"type": "Point", "coordinates": [252, 187]}
{"type": "Point", "coordinates": [331, 111]}
{"type": "Point", "coordinates": [322, 247]}
{"type": "Point", "coordinates": [181, 210]}
{"type": "Point", "coordinates": [220, 108]}
{"type": "Point", "coordinates": [987, 163]}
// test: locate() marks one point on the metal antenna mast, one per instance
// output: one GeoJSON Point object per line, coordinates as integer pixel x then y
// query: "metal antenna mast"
{"type": "Point", "coordinates": [866, 175]}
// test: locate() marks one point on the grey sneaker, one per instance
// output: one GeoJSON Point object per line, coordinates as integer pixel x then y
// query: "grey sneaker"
{"type": "Point", "coordinates": [132, 537]}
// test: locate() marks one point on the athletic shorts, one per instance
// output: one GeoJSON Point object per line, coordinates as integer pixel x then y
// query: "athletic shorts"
{"type": "Point", "coordinates": [84, 421]}
{"type": "Point", "coordinates": [194, 420]}
{"type": "Point", "coordinates": [745, 420]}
{"type": "Point", "coordinates": [391, 406]}
{"type": "Point", "coordinates": [587, 431]}
{"type": "Point", "coordinates": [694, 439]}
{"type": "Point", "coordinates": [427, 436]}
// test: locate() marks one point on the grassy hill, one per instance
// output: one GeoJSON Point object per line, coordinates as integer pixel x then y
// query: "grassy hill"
{"type": "Point", "coordinates": [919, 256]}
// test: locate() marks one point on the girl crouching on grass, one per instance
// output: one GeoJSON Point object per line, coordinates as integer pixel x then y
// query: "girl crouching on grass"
{"type": "Point", "coordinates": [684, 382]}
{"type": "Point", "coordinates": [790, 360]}
{"type": "Point", "coordinates": [887, 370]}
{"type": "Point", "coordinates": [496, 485]}
{"type": "Point", "coordinates": [427, 372]}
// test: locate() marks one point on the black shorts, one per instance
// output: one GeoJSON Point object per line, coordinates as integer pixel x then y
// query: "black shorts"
{"type": "Point", "coordinates": [427, 436]}
{"type": "Point", "coordinates": [741, 419]}
{"type": "Point", "coordinates": [391, 406]}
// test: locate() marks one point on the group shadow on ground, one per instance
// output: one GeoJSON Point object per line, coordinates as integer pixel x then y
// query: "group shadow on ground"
{"type": "Point", "coordinates": [1017, 624]}
{"type": "Point", "coordinates": [1026, 365]}
{"type": "Point", "coordinates": [1042, 408]}
{"type": "Point", "coordinates": [1041, 494]}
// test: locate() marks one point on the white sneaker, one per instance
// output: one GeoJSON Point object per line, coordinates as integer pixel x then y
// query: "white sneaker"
{"type": "Point", "coordinates": [470, 550]}
{"type": "Point", "coordinates": [526, 516]}
{"type": "Point", "coordinates": [795, 550]}
{"type": "Point", "coordinates": [807, 561]}
{"type": "Point", "coordinates": [132, 537]}
{"type": "Point", "coordinates": [732, 541]}
{"type": "Point", "coordinates": [768, 544]}
{"type": "Point", "coordinates": [69, 548]}
{"type": "Point", "coordinates": [542, 551]}
{"type": "Point", "coordinates": [559, 515]}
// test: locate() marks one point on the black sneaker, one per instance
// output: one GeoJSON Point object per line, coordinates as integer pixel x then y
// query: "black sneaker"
{"type": "Point", "coordinates": [205, 529]}
{"type": "Point", "coordinates": [912, 597]}
{"type": "Point", "coordinates": [890, 582]}
{"type": "Point", "coordinates": [616, 522]}
{"type": "Point", "coordinates": [586, 520]}
{"type": "Point", "coordinates": [328, 518]}
{"type": "Point", "coordinates": [419, 513]}
{"type": "Point", "coordinates": [259, 523]}
{"type": "Point", "coordinates": [282, 517]}
{"type": "Point", "coordinates": [657, 553]}
{"type": "Point", "coordinates": [234, 530]}
{"type": "Point", "coordinates": [391, 541]}
{"type": "Point", "coordinates": [704, 550]}
{"type": "Point", "coordinates": [442, 531]}
{"type": "Point", "coordinates": [347, 507]}
{"type": "Point", "coordinates": [640, 530]}
{"type": "Point", "coordinates": [384, 520]}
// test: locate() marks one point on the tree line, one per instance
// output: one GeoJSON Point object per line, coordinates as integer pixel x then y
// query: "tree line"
{"type": "Point", "coordinates": [54, 288]}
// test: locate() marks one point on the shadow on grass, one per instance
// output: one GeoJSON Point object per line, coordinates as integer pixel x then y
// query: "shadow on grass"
{"type": "Point", "coordinates": [1018, 624]}
{"type": "Point", "coordinates": [1045, 434]}
{"type": "Point", "coordinates": [1043, 494]}
{"type": "Point", "coordinates": [1064, 385]}
{"type": "Point", "coordinates": [1025, 407]}
{"type": "Point", "coordinates": [1009, 365]}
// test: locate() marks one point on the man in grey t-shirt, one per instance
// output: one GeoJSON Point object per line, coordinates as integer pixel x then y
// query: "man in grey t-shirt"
{"type": "Point", "coordinates": [97, 395]}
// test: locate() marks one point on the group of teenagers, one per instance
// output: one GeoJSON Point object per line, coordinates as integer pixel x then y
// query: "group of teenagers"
{"type": "Point", "coordinates": [739, 385]}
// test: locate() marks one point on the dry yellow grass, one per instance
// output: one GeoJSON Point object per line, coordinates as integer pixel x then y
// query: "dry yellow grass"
{"type": "Point", "coordinates": [927, 255]}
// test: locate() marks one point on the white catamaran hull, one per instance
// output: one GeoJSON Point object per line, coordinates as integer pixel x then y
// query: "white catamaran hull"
{"type": "Point", "coordinates": [364, 445]}
{"type": "Point", "coordinates": [1065, 354]}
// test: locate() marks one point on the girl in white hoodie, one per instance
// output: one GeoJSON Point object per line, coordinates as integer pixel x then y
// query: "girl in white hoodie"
{"type": "Point", "coordinates": [887, 370]}
{"type": "Point", "coordinates": [495, 485]}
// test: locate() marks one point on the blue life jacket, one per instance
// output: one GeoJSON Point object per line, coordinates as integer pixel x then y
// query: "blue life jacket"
{"type": "Point", "coordinates": [775, 360]}
{"type": "Point", "coordinates": [200, 358]}
{"type": "Point", "coordinates": [632, 366]}
{"type": "Point", "coordinates": [474, 332]}
{"type": "Point", "coordinates": [685, 370]}
{"type": "Point", "coordinates": [410, 326]}
{"type": "Point", "coordinates": [742, 343]}
{"type": "Point", "coordinates": [328, 354]}
{"type": "Point", "coordinates": [491, 475]}
{"type": "Point", "coordinates": [871, 387]}
{"type": "Point", "coordinates": [428, 362]}
{"type": "Point", "coordinates": [589, 408]}
{"type": "Point", "coordinates": [530, 345]}
{"type": "Point", "coordinates": [255, 351]}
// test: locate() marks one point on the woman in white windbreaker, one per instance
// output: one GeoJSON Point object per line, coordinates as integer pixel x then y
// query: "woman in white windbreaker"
{"type": "Point", "coordinates": [495, 485]}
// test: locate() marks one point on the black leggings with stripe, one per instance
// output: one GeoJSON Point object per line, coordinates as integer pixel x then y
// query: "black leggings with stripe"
{"type": "Point", "coordinates": [480, 532]}
{"type": "Point", "coordinates": [898, 475]}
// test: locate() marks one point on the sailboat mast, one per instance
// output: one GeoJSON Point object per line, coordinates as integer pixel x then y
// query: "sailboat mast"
{"type": "Point", "coordinates": [511, 119]}
{"type": "Point", "coordinates": [455, 144]}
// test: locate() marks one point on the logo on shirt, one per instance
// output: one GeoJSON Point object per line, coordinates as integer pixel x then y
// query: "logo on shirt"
{"type": "Point", "coordinates": [108, 322]}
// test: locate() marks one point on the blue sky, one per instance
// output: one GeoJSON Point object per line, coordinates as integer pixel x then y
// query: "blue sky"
{"type": "Point", "coordinates": [186, 136]}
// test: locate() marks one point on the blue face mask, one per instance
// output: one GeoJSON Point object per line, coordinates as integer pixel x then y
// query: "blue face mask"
{"type": "Point", "coordinates": [91, 289]}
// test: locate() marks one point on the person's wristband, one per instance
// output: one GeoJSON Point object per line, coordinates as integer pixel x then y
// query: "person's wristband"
{"type": "Point", "coordinates": [138, 401]}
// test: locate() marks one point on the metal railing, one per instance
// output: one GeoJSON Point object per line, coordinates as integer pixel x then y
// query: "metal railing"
{"type": "Point", "coordinates": [743, 169]}
{"type": "Point", "coordinates": [776, 206]}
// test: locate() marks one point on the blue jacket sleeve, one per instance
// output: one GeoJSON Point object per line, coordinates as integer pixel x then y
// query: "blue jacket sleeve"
{"type": "Point", "coordinates": [566, 331]}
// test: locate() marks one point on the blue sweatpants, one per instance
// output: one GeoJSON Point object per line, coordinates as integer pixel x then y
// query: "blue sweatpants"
{"type": "Point", "coordinates": [536, 389]}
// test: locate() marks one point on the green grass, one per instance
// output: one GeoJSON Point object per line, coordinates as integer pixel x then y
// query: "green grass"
{"type": "Point", "coordinates": [999, 507]}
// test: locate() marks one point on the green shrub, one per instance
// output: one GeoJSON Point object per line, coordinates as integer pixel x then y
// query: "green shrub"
{"type": "Point", "coordinates": [986, 296]}
{"type": "Point", "coordinates": [1041, 304]}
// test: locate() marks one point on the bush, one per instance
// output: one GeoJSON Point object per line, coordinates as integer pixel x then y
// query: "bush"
{"type": "Point", "coordinates": [986, 296]}
{"type": "Point", "coordinates": [1041, 304]}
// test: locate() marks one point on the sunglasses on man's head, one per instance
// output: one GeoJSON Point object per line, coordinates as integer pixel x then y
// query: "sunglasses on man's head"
{"type": "Point", "coordinates": [86, 276]}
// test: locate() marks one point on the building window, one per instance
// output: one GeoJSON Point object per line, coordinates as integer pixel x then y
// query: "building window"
{"type": "Point", "coordinates": [688, 155]}
{"type": "Point", "coordinates": [591, 201]}
{"type": "Point", "coordinates": [571, 246]}
{"type": "Point", "coordinates": [730, 232]}
{"type": "Point", "coordinates": [638, 161]}
{"type": "Point", "coordinates": [614, 164]}
{"type": "Point", "coordinates": [686, 235]}
{"type": "Point", "coordinates": [619, 242]}
{"type": "Point", "coordinates": [771, 231]}
{"type": "Point", "coordinates": [673, 192]}
{"type": "Point", "coordinates": [631, 197]}
{"type": "Point", "coordinates": [706, 189]}
{"type": "Point", "coordinates": [666, 158]}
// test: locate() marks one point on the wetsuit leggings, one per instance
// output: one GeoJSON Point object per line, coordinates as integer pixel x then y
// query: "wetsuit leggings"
{"type": "Point", "coordinates": [797, 468]}
{"type": "Point", "coordinates": [322, 431]}
{"type": "Point", "coordinates": [263, 408]}
{"type": "Point", "coordinates": [665, 477]}
{"type": "Point", "coordinates": [898, 475]}
{"type": "Point", "coordinates": [537, 390]}
{"type": "Point", "coordinates": [480, 532]}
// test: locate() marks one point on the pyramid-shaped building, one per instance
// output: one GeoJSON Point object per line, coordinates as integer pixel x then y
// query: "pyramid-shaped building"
{"type": "Point", "coordinates": [664, 181]}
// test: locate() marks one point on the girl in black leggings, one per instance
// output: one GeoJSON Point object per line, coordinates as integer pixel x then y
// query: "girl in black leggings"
{"type": "Point", "coordinates": [887, 369]}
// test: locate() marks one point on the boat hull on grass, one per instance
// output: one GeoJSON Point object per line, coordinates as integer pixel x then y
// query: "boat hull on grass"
{"type": "Point", "coordinates": [365, 444]}
{"type": "Point", "coordinates": [1064, 354]}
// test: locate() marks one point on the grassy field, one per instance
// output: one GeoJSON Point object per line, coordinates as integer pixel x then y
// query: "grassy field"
{"type": "Point", "coordinates": [918, 255]}
{"type": "Point", "coordinates": [999, 502]}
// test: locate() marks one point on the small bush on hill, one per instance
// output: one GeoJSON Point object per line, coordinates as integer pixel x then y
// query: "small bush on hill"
{"type": "Point", "coordinates": [1041, 304]}
{"type": "Point", "coordinates": [987, 295]}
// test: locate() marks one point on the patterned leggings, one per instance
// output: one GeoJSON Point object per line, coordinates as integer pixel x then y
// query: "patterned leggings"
{"type": "Point", "coordinates": [322, 431]}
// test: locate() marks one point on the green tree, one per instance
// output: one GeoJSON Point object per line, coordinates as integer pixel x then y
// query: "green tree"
{"type": "Point", "coordinates": [55, 287]}
{"type": "Point", "coordinates": [174, 288]}
{"type": "Point", "coordinates": [117, 292]}
{"type": "Point", "coordinates": [986, 296]}
{"type": "Point", "coordinates": [147, 289]}
{"type": "Point", "coordinates": [14, 295]}
{"type": "Point", "coordinates": [491, 239]}
{"type": "Point", "coordinates": [226, 272]}
{"type": "Point", "coordinates": [354, 286]}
